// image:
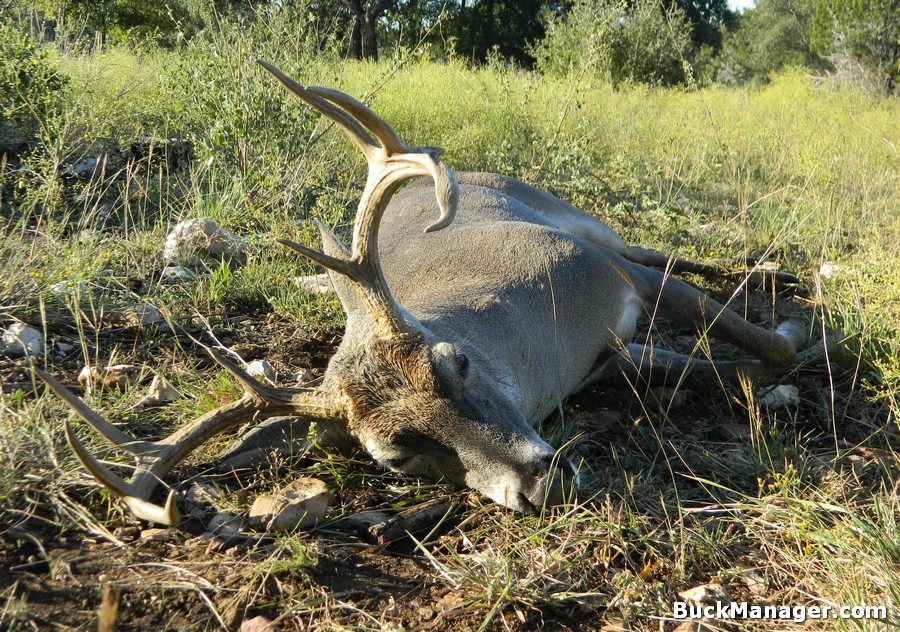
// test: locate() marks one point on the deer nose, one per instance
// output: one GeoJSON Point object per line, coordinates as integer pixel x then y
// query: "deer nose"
{"type": "Point", "coordinates": [557, 485]}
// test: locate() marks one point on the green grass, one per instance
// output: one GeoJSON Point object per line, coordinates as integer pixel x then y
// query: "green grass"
{"type": "Point", "coordinates": [802, 499]}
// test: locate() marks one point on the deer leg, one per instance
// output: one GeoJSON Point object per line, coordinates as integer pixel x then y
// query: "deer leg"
{"type": "Point", "coordinates": [675, 300]}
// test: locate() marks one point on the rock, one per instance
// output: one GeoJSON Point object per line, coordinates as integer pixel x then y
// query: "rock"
{"type": "Point", "coordinates": [119, 376]}
{"type": "Point", "coordinates": [225, 525]}
{"type": "Point", "coordinates": [299, 505]}
{"type": "Point", "coordinates": [192, 240]}
{"type": "Point", "coordinates": [64, 347]}
{"type": "Point", "coordinates": [303, 376]}
{"type": "Point", "coordinates": [259, 624]}
{"type": "Point", "coordinates": [829, 270]}
{"type": "Point", "coordinates": [156, 535]}
{"type": "Point", "coordinates": [21, 340]}
{"type": "Point", "coordinates": [707, 594]}
{"type": "Point", "coordinates": [178, 274]}
{"type": "Point", "coordinates": [702, 625]}
{"type": "Point", "coordinates": [68, 288]}
{"type": "Point", "coordinates": [601, 421]}
{"type": "Point", "coordinates": [146, 315]}
{"type": "Point", "coordinates": [778, 396]}
{"type": "Point", "coordinates": [82, 168]}
{"type": "Point", "coordinates": [671, 398]}
{"type": "Point", "coordinates": [261, 369]}
{"type": "Point", "coordinates": [137, 316]}
{"type": "Point", "coordinates": [754, 582]}
{"type": "Point", "coordinates": [315, 283]}
{"type": "Point", "coordinates": [160, 392]}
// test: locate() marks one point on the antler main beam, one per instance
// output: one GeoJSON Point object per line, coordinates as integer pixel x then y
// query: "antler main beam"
{"type": "Point", "coordinates": [391, 163]}
{"type": "Point", "coordinates": [155, 459]}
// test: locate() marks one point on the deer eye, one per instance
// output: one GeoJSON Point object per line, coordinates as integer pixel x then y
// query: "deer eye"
{"type": "Point", "coordinates": [462, 363]}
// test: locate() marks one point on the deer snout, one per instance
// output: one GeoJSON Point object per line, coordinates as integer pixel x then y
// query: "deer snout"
{"type": "Point", "coordinates": [556, 482]}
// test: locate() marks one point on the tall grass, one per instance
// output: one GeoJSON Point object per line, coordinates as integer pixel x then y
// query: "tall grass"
{"type": "Point", "coordinates": [806, 174]}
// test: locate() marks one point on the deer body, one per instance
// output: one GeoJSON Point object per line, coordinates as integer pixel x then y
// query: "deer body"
{"type": "Point", "coordinates": [462, 333]}
{"type": "Point", "coordinates": [533, 306]}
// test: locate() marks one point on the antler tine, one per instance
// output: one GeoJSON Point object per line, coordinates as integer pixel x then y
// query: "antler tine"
{"type": "Point", "coordinates": [86, 413]}
{"type": "Point", "coordinates": [390, 165]}
{"type": "Point", "coordinates": [351, 127]}
{"type": "Point", "coordinates": [155, 459]}
{"type": "Point", "coordinates": [382, 130]}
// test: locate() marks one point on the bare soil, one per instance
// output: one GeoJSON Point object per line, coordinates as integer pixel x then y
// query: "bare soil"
{"type": "Point", "coordinates": [183, 579]}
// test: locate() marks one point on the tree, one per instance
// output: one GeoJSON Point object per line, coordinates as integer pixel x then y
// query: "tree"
{"type": "Point", "coordinates": [707, 18]}
{"type": "Point", "coordinates": [507, 26]}
{"type": "Point", "coordinates": [623, 41]}
{"type": "Point", "coordinates": [363, 39]}
{"type": "Point", "coordinates": [865, 33]}
{"type": "Point", "coordinates": [772, 35]}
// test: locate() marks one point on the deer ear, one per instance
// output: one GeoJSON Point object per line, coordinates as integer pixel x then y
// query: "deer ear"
{"type": "Point", "coordinates": [343, 287]}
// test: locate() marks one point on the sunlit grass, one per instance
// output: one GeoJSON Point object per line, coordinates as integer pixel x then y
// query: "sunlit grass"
{"type": "Point", "coordinates": [808, 174]}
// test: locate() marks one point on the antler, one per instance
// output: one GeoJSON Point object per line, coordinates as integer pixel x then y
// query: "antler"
{"type": "Point", "coordinates": [391, 162]}
{"type": "Point", "coordinates": [156, 458]}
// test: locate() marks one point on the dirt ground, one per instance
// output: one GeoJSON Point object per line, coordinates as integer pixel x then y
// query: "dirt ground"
{"type": "Point", "coordinates": [185, 579]}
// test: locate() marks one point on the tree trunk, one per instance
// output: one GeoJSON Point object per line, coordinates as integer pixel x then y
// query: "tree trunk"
{"type": "Point", "coordinates": [356, 41]}
{"type": "Point", "coordinates": [364, 40]}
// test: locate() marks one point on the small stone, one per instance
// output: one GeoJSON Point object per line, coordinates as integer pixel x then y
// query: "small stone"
{"type": "Point", "coordinates": [68, 288]}
{"type": "Point", "coordinates": [156, 535]}
{"type": "Point", "coordinates": [64, 347]}
{"type": "Point", "coordinates": [193, 239]}
{"type": "Point", "coordinates": [261, 369]}
{"type": "Point", "coordinates": [671, 398]}
{"type": "Point", "coordinates": [754, 582]}
{"type": "Point", "coordinates": [830, 270]}
{"type": "Point", "coordinates": [21, 340]}
{"type": "Point", "coordinates": [707, 594]}
{"type": "Point", "coordinates": [299, 505]}
{"type": "Point", "coordinates": [178, 274]}
{"type": "Point", "coordinates": [225, 525]}
{"type": "Point", "coordinates": [119, 376]}
{"type": "Point", "coordinates": [315, 283]}
{"type": "Point", "coordinates": [160, 392]}
{"type": "Point", "coordinates": [259, 624]}
{"type": "Point", "coordinates": [83, 168]}
{"type": "Point", "coordinates": [135, 316]}
{"type": "Point", "coordinates": [702, 625]}
{"type": "Point", "coordinates": [146, 315]}
{"type": "Point", "coordinates": [203, 494]}
{"type": "Point", "coordinates": [303, 376]}
{"type": "Point", "coordinates": [778, 396]}
{"type": "Point", "coordinates": [127, 533]}
{"type": "Point", "coordinates": [601, 421]}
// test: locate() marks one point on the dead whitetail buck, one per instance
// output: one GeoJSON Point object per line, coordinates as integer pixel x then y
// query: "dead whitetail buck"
{"type": "Point", "coordinates": [461, 333]}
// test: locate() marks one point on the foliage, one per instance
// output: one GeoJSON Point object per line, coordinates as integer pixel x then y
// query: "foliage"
{"type": "Point", "coordinates": [30, 86]}
{"type": "Point", "coordinates": [772, 35]}
{"type": "Point", "coordinates": [166, 23]}
{"type": "Point", "coordinates": [503, 26]}
{"type": "Point", "coordinates": [708, 19]}
{"type": "Point", "coordinates": [761, 501]}
{"type": "Point", "coordinates": [242, 122]}
{"type": "Point", "coordinates": [621, 41]}
{"type": "Point", "coordinates": [862, 37]}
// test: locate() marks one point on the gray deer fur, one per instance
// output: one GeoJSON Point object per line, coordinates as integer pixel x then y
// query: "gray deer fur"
{"type": "Point", "coordinates": [461, 335]}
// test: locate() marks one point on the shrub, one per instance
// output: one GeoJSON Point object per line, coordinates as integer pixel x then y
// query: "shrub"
{"type": "Point", "coordinates": [625, 42]}
{"type": "Point", "coordinates": [30, 86]}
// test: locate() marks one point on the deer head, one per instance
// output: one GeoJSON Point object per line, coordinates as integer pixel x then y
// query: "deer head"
{"type": "Point", "coordinates": [418, 404]}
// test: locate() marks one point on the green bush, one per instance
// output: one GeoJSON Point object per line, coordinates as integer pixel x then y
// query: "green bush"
{"type": "Point", "coordinates": [775, 34]}
{"type": "Point", "coordinates": [30, 86]}
{"type": "Point", "coordinates": [624, 42]}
